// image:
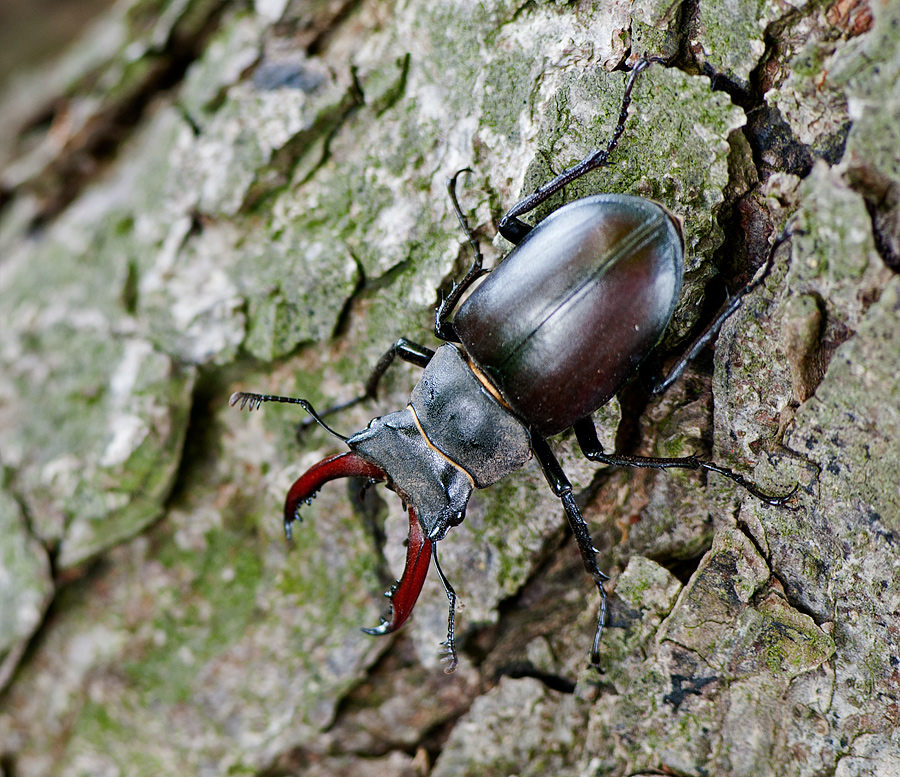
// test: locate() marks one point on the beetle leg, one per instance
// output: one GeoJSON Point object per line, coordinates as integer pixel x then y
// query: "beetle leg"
{"type": "Point", "coordinates": [561, 486]}
{"type": "Point", "coordinates": [593, 450]}
{"type": "Point", "coordinates": [660, 384]}
{"type": "Point", "coordinates": [404, 349]}
{"type": "Point", "coordinates": [344, 465]}
{"type": "Point", "coordinates": [451, 659]}
{"type": "Point", "coordinates": [405, 591]}
{"type": "Point", "coordinates": [514, 229]}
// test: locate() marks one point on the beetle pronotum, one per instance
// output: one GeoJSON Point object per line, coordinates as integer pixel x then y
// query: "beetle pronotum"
{"type": "Point", "coordinates": [551, 335]}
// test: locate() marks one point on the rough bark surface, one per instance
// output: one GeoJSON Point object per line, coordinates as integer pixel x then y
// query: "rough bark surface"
{"type": "Point", "coordinates": [206, 196]}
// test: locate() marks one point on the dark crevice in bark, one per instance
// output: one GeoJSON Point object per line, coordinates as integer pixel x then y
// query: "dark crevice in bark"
{"type": "Point", "coordinates": [70, 585]}
{"type": "Point", "coordinates": [311, 31]}
{"type": "Point", "coordinates": [342, 325]}
{"type": "Point", "coordinates": [683, 568]}
{"type": "Point", "coordinates": [882, 198]}
{"type": "Point", "coordinates": [98, 143]}
{"type": "Point", "coordinates": [276, 175]}
{"type": "Point", "coordinates": [542, 608]}
{"type": "Point", "coordinates": [520, 669]}
{"type": "Point", "coordinates": [201, 437]}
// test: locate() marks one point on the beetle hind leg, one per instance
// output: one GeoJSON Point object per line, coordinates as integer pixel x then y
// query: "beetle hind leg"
{"type": "Point", "coordinates": [657, 383]}
{"type": "Point", "coordinates": [593, 451]}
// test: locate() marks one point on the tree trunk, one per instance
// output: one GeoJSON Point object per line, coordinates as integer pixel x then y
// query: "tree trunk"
{"type": "Point", "coordinates": [207, 196]}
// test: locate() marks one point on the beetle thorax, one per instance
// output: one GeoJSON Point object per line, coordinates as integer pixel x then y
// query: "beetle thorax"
{"type": "Point", "coordinates": [454, 436]}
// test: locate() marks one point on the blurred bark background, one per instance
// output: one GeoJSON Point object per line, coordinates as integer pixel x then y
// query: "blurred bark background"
{"type": "Point", "coordinates": [201, 196]}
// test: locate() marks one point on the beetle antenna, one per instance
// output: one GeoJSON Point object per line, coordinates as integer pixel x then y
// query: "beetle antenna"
{"type": "Point", "coordinates": [253, 401]}
{"type": "Point", "coordinates": [451, 658]}
{"type": "Point", "coordinates": [442, 328]}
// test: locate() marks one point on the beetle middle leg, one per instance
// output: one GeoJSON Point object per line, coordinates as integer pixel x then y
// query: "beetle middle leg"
{"type": "Point", "coordinates": [405, 350]}
{"type": "Point", "coordinates": [562, 488]}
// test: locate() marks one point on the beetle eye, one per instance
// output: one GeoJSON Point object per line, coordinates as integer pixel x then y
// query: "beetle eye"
{"type": "Point", "coordinates": [457, 519]}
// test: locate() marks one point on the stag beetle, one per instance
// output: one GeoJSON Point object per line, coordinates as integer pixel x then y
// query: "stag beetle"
{"type": "Point", "coordinates": [551, 335]}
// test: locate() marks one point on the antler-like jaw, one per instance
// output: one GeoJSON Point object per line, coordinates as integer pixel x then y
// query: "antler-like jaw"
{"type": "Point", "coordinates": [405, 592]}
{"type": "Point", "coordinates": [434, 490]}
{"type": "Point", "coordinates": [419, 549]}
{"type": "Point", "coordinates": [344, 465]}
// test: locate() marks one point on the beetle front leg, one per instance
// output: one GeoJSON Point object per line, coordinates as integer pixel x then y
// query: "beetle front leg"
{"type": "Point", "coordinates": [405, 592]}
{"type": "Point", "coordinates": [451, 659]}
{"type": "Point", "coordinates": [593, 450]}
{"type": "Point", "coordinates": [561, 486]}
{"type": "Point", "coordinates": [404, 349]}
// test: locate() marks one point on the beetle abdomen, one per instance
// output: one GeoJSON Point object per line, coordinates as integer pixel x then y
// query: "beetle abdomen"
{"type": "Point", "coordinates": [559, 337]}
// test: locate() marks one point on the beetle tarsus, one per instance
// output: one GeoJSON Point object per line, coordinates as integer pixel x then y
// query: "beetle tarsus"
{"type": "Point", "coordinates": [764, 496]}
{"type": "Point", "coordinates": [451, 658]}
{"type": "Point", "coordinates": [589, 560]}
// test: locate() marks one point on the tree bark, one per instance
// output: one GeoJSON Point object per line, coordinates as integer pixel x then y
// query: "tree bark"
{"type": "Point", "coordinates": [207, 196]}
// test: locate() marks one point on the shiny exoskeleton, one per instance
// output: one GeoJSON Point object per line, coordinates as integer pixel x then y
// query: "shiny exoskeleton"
{"type": "Point", "coordinates": [552, 334]}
